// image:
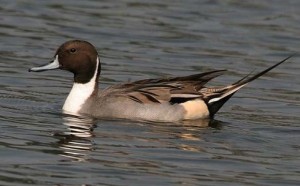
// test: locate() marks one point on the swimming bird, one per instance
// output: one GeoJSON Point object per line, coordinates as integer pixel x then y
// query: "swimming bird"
{"type": "Point", "coordinates": [163, 99]}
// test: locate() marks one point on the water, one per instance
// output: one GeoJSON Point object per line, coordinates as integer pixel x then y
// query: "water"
{"type": "Point", "coordinates": [253, 141]}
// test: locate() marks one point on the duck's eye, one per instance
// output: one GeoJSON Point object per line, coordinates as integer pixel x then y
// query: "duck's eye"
{"type": "Point", "coordinates": [72, 50]}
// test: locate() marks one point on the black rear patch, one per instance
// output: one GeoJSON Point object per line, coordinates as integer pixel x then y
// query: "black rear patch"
{"type": "Point", "coordinates": [178, 100]}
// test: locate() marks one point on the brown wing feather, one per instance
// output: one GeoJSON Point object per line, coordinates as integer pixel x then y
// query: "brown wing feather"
{"type": "Point", "coordinates": [165, 90]}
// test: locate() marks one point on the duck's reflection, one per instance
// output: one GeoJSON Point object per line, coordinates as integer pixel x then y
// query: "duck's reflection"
{"type": "Point", "coordinates": [76, 143]}
{"type": "Point", "coordinates": [203, 123]}
{"type": "Point", "coordinates": [191, 134]}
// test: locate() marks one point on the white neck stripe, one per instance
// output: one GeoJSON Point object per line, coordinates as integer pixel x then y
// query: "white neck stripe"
{"type": "Point", "coordinates": [80, 93]}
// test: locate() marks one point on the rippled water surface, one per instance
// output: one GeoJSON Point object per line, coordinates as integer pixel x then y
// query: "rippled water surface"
{"type": "Point", "coordinates": [254, 139]}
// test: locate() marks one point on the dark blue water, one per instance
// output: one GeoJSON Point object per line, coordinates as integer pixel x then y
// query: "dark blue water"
{"type": "Point", "coordinates": [253, 141]}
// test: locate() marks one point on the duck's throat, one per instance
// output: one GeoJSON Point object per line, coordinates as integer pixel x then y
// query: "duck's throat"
{"type": "Point", "coordinates": [80, 93]}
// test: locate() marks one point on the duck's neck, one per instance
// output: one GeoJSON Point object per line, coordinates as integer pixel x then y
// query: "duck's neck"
{"type": "Point", "coordinates": [80, 92]}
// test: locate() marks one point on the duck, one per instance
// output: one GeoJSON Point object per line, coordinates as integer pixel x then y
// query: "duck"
{"type": "Point", "coordinates": [160, 99]}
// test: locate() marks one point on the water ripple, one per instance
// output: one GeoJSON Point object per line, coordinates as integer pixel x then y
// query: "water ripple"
{"type": "Point", "coordinates": [253, 141]}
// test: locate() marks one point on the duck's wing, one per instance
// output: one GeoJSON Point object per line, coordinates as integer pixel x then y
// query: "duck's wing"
{"type": "Point", "coordinates": [173, 90]}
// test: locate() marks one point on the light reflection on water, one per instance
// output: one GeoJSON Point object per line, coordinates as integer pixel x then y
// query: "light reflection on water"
{"type": "Point", "coordinates": [253, 141]}
{"type": "Point", "coordinates": [76, 142]}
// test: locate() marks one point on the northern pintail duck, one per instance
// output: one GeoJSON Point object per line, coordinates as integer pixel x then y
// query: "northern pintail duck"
{"type": "Point", "coordinates": [165, 99]}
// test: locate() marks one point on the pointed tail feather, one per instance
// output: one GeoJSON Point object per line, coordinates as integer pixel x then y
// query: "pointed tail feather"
{"type": "Point", "coordinates": [263, 72]}
{"type": "Point", "coordinates": [218, 100]}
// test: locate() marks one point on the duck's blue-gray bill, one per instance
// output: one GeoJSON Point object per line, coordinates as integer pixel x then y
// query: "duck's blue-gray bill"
{"type": "Point", "coordinates": [50, 66]}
